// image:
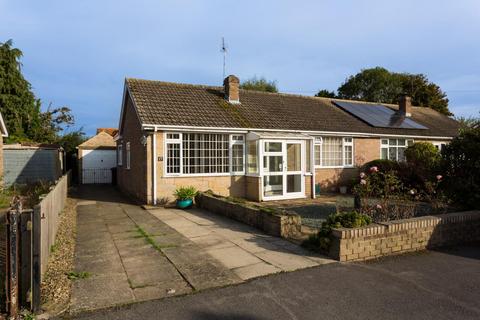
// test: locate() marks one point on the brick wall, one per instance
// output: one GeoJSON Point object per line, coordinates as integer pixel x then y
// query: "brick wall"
{"type": "Point", "coordinates": [365, 150]}
{"type": "Point", "coordinates": [308, 186]}
{"type": "Point", "coordinates": [133, 181]}
{"type": "Point", "coordinates": [407, 235]}
{"type": "Point", "coordinates": [253, 188]}
{"type": "Point", "coordinates": [286, 225]}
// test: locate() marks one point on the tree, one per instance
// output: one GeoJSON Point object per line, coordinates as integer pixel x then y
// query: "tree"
{"type": "Point", "coordinates": [380, 85]}
{"type": "Point", "coordinates": [468, 122]}
{"type": "Point", "coordinates": [326, 94]}
{"type": "Point", "coordinates": [259, 84]}
{"type": "Point", "coordinates": [20, 109]}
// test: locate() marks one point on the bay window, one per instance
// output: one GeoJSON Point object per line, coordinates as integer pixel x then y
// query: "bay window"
{"type": "Point", "coordinates": [333, 152]}
{"type": "Point", "coordinates": [394, 149]}
{"type": "Point", "coordinates": [204, 153]}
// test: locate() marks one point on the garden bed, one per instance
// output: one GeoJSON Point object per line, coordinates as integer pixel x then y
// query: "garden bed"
{"type": "Point", "coordinates": [400, 236]}
{"type": "Point", "coordinates": [281, 223]}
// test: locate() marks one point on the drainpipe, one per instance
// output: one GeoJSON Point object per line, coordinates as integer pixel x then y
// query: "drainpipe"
{"type": "Point", "coordinates": [312, 166]}
{"type": "Point", "coordinates": [154, 167]}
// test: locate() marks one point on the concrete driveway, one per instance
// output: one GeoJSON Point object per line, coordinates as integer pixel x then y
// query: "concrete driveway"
{"type": "Point", "coordinates": [426, 285]}
{"type": "Point", "coordinates": [246, 251]}
{"type": "Point", "coordinates": [126, 254]}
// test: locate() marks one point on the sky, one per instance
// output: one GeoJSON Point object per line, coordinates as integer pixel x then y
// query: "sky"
{"type": "Point", "coordinates": [78, 53]}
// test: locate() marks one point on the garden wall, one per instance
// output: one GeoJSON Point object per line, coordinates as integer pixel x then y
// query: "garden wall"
{"type": "Point", "coordinates": [286, 225]}
{"type": "Point", "coordinates": [407, 235]}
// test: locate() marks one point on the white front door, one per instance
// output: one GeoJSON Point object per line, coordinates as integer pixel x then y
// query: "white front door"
{"type": "Point", "coordinates": [283, 172]}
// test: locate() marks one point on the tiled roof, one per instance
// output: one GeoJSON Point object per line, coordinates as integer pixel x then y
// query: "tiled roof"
{"type": "Point", "coordinates": [165, 103]}
{"type": "Point", "coordinates": [110, 131]}
{"type": "Point", "coordinates": [99, 141]}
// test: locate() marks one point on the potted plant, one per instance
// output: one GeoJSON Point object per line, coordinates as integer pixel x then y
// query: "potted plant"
{"type": "Point", "coordinates": [185, 196]}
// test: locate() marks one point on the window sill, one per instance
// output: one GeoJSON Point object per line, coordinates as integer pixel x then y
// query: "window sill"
{"type": "Point", "coordinates": [334, 167]}
{"type": "Point", "coordinates": [199, 175]}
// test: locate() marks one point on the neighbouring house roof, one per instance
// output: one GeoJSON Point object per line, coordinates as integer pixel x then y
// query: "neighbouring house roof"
{"type": "Point", "coordinates": [102, 140]}
{"type": "Point", "coordinates": [110, 131]}
{"type": "Point", "coordinates": [3, 128]}
{"type": "Point", "coordinates": [184, 105]}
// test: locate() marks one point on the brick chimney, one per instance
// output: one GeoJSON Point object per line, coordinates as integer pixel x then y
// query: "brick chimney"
{"type": "Point", "coordinates": [231, 86]}
{"type": "Point", "coordinates": [405, 106]}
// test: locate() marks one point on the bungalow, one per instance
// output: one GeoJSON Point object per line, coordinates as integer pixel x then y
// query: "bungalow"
{"type": "Point", "coordinates": [258, 145]}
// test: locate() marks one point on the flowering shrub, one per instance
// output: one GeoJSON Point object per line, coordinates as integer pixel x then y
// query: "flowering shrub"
{"type": "Point", "coordinates": [383, 196]}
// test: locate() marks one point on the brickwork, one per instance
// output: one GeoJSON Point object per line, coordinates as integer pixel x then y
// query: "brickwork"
{"type": "Point", "coordinates": [253, 188]}
{"type": "Point", "coordinates": [286, 225]}
{"type": "Point", "coordinates": [407, 235]}
{"type": "Point", "coordinates": [133, 181]}
{"type": "Point", "coordinates": [308, 187]}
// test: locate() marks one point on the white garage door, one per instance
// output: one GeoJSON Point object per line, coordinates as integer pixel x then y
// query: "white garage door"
{"type": "Point", "coordinates": [97, 165]}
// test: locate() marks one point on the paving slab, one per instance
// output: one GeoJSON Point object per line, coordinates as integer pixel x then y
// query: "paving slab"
{"type": "Point", "coordinates": [256, 270]}
{"type": "Point", "coordinates": [234, 257]}
{"type": "Point", "coordinates": [247, 251]}
{"type": "Point", "coordinates": [131, 256]}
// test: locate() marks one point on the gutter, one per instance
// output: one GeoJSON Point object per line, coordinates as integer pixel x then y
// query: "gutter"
{"type": "Point", "coordinates": [246, 130]}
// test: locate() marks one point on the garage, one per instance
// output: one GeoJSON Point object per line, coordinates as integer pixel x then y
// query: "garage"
{"type": "Point", "coordinates": [97, 156]}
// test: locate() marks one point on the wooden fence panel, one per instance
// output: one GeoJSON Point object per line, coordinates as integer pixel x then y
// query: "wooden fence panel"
{"type": "Point", "coordinates": [49, 210]}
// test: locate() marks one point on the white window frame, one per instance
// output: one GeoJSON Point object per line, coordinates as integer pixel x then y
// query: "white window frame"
{"type": "Point", "coordinates": [128, 160]}
{"type": "Point", "coordinates": [345, 142]}
{"type": "Point", "coordinates": [237, 139]}
{"type": "Point", "coordinates": [408, 142]}
{"type": "Point", "coordinates": [234, 139]}
{"type": "Point", "coordinates": [120, 154]}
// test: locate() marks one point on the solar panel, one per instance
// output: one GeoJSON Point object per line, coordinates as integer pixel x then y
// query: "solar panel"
{"type": "Point", "coordinates": [378, 115]}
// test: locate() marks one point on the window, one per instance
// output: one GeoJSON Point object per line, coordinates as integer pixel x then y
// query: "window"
{"type": "Point", "coordinates": [238, 151]}
{"type": "Point", "coordinates": [439, 145]}
{"type": "Point", "coordinates": [202, 153]}
{"type": "Point", "coordinates": [333, 152]}
{"type": "Point", "coordinates": [393, 149]}
{"type": "Point", "coordinates": [128, 154]}
{"type": "Point", "coordinates": [252, 154]}
{"type": "Point", "coordinates": [119, 154]}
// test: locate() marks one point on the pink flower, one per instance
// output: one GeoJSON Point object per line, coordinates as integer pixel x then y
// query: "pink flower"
{"type": "Point", "coordinates": [362, 175]}
{"type": "Point", "coordinates": [374, 169]}
{"type": "Point", "coordinates": [439, 177]}
{"type": "Point", "coordinates": [363, 181]}
{"type": "Point", "coordinates": [379, 206]}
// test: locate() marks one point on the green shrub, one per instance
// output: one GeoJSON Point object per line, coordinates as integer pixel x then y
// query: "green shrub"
{"type": "Point", "coordinates": [461, 167]}
{"type": "Point", "coordinates": [321, 241]}
{"type": "Point", "coordinates": [185, 193]}
{"type": "Point", "coordinates": [383, 165]}
{"type": "Point", "coordinates": [423, 155]}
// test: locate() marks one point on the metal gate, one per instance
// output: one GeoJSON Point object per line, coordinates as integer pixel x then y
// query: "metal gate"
{"type": "Point", "coordinates": [96, 175]}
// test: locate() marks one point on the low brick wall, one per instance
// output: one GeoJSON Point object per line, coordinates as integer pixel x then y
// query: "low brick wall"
{"type": "Point", "coordinates": [407, 235]}
{"type": "Point", "coordinates": [286, 225]}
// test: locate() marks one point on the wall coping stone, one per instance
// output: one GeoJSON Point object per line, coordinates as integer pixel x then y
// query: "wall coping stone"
{"type": "Point", "coordinates": [405, 224]}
